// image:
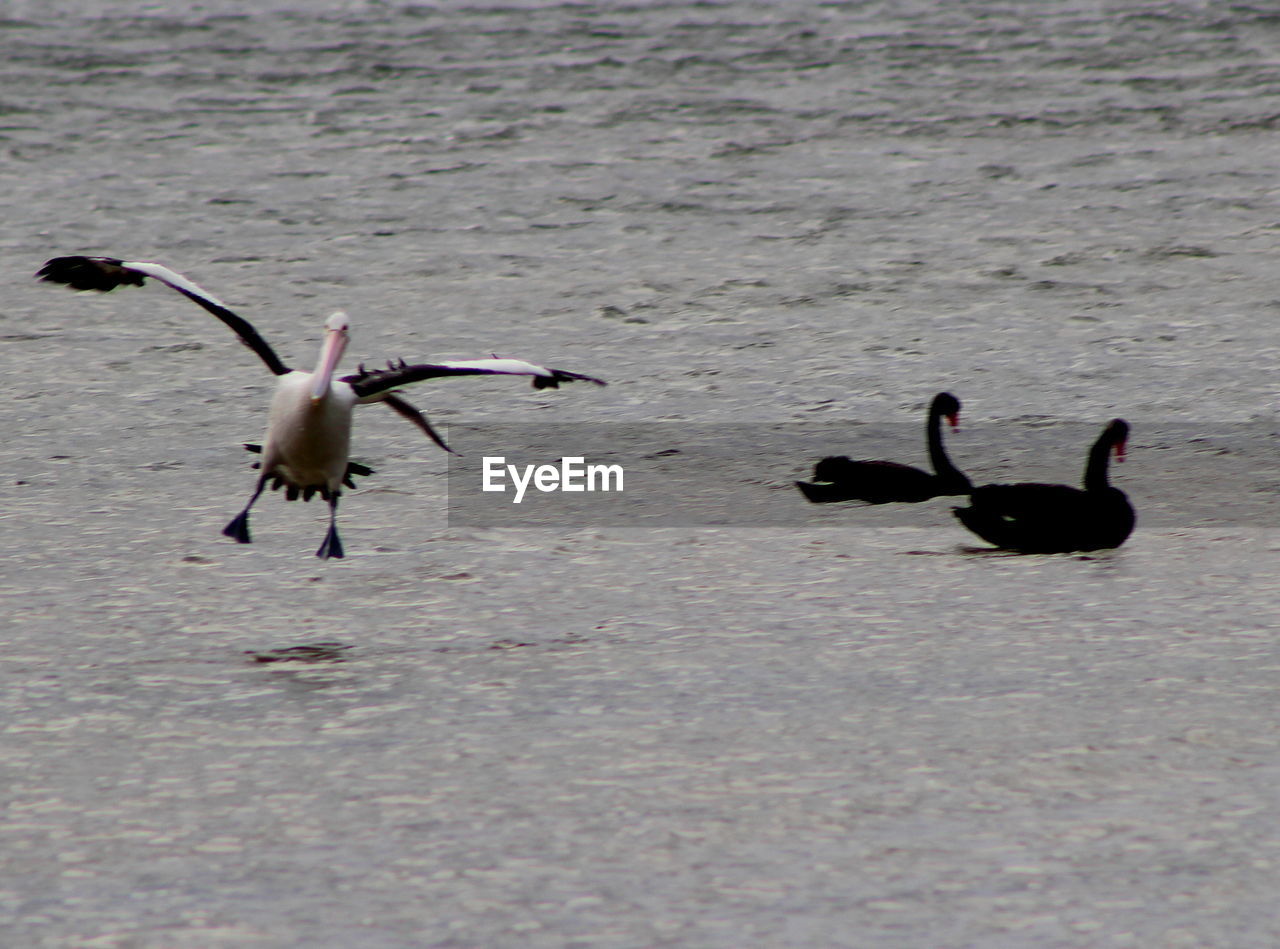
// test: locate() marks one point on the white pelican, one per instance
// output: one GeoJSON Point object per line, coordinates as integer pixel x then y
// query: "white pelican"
{"type": "Point", "coordinates": [309, 425]}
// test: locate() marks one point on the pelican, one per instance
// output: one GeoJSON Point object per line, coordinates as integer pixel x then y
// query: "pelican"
{"type": "Point", "coordinates": [308, 436]}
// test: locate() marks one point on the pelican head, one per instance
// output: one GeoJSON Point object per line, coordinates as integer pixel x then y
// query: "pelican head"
{"type": "Point", "coordinates": [335, 342]}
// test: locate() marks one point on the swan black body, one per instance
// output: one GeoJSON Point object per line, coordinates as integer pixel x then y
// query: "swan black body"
{"type": "Point", "coordinates": [1057, 518]}
{"type": "Point", "coordinates": [879, 482]}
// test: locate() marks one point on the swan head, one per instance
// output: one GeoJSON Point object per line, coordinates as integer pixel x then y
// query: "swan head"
{"type": "Point", "coordinates": [1118, 436]}
{"type": "Point", "coordinates": [948, 406]}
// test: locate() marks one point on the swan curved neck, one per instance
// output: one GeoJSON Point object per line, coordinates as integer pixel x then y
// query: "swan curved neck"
{"type": "Point", "coordinates": [1096, 470]}
{"type": "Point", "coordinates": [942, 465]}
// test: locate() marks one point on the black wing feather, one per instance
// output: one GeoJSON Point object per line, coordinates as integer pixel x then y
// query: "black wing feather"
{"type": "Point", "coordinates": [369, 382]}
{"type": "Point", "coordinates": [106, 273]}
{"type": "Point", "coordinates": [405, 410]}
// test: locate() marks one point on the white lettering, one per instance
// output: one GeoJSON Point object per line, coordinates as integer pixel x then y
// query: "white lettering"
{"type": "Point", "coordinates": [571, 468]}
{"type": "Point", "coordinates": [547, 478]}
{"type": "Point", "coordinates": [572, 474]}
{"type": "Point", "coordinates": [493, 473]}
{"type": "Point", "coordinates": [521, 483]}
{"type": "Point", "coordinates": [605, 472]}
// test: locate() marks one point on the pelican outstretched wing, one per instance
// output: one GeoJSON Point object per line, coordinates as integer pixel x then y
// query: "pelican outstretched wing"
{"type": "Point", "coordinates": [107, 273]}
{"type": "Point", "coordinates": [379, 385]}
{"type": "Point", "coordinates": [370, 384]}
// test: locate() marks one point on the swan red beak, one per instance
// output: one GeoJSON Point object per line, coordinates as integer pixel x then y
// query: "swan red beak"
{"type": "Point", "coordinates": [1120, 451]}
{"type": "Point", "coordinates": [336, 334]}
{"type": "Point", "coordinates": [953, 419]}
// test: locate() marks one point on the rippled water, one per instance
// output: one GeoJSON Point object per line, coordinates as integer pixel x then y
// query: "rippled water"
{"type": "Point", "coordinates": [806, 217]}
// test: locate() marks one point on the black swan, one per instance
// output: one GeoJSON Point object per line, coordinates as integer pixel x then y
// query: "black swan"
{"type": "Point", "coordinates": [879, 482]}
{"type": "Point", "coordinates": [1056, 518]}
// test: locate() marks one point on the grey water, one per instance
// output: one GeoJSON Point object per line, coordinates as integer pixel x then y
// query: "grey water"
{"type": "Point", "coordinates": [790, 222]}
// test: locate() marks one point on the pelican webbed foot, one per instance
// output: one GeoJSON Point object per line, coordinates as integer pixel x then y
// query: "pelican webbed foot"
{"type": "Point", "coordinates": [238, 529]}
{"type": "Point", "coordinates": [332, 546]}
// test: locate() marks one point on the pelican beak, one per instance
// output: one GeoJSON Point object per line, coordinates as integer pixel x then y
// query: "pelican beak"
{"type": "Point", "coordinates": [335, 342]}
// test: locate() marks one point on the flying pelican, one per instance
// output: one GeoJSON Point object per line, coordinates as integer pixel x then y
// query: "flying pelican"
{"type": "Point", "coordinates": [305, 449]}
